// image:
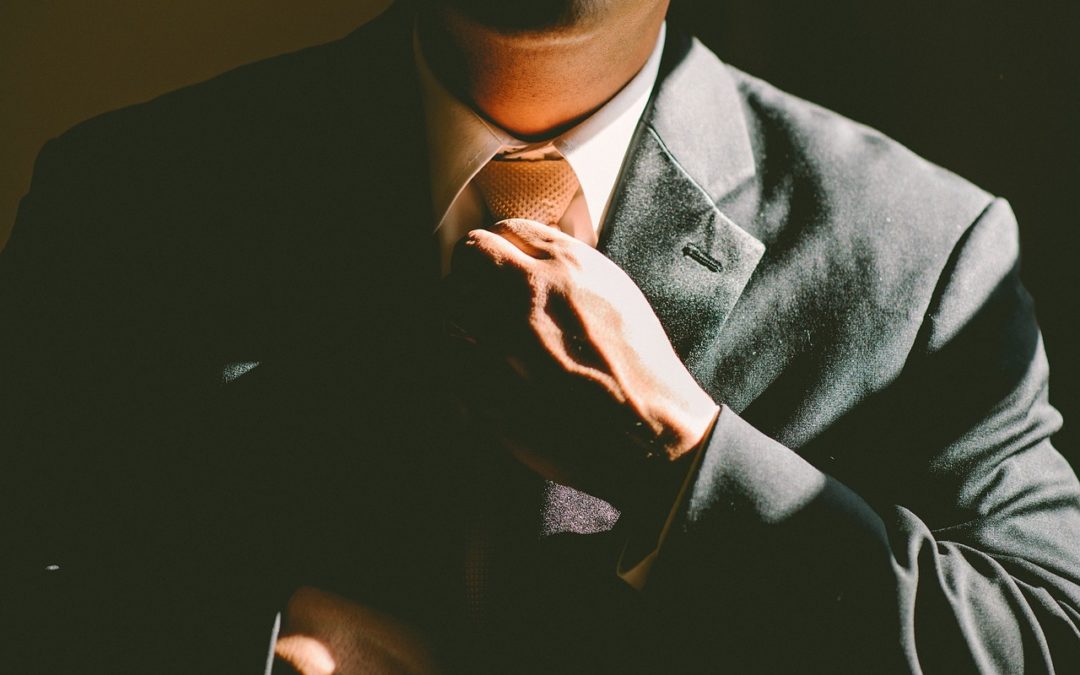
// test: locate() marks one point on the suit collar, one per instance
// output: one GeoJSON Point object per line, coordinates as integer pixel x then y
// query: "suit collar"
{"type": "Point", "coordinates": [690, 151]}
{"type": "Point", "coordinates": [664, 229]}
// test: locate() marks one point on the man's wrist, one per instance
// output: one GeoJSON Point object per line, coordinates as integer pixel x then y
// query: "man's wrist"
{"type": "Point", "coordinates": [688, 427]}
{"type": "Point", "coordinates": [650, 525]}
{"type": "Point", "coordinates": [665, 476]}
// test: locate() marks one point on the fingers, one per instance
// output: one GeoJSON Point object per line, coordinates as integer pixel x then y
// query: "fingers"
{"type": "Point", "coordinates": [499, 249]}
{"type": "Point", "coordinates": [306, 655]}
{"type": "Point", "coordinates": [496, 275]}
{"type": "Point", "coordinates": [487, 295]}
{"type": "Point", "coordinates": [324, 634]}
{"type": "Point", "coordinates": [487, 285]}
{"type": "Point", "coordinates": [514, 242]}
{"type": "Point", "coordinates": [533, 238]}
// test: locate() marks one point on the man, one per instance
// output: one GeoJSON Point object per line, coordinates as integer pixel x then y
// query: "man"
{"type": "Point", "coordinates": [788, 415]}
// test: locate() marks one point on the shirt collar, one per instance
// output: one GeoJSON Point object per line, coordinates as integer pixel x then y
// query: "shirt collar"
{"type": "Point", "coordinates": [461, 142]}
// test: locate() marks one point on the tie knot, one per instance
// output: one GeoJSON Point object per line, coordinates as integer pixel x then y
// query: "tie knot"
{"type": "Point", "coordinates": [539, 190]}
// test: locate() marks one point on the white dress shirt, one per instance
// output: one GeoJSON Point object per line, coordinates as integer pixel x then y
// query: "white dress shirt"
{"type": "Point", "coordinates": [461, 142]}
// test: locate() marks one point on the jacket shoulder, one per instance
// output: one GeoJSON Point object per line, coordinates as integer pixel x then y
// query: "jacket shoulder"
{"type": "Point", "coordinates": [274, 97]}
{"type": "Point", "coordinates": [863, 236]}
{"type": "Point", "coordinates": [852, 168]}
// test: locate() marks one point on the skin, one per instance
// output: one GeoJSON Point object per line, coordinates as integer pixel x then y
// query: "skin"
{"type": "Point", "coordinates": [549, 327]}
{"type": "Point", "coordinates": [560, 66]}
{"type": "Point", "coordinates": [573, 339]}
{"type": "Point", "coordinates": [328, 634]}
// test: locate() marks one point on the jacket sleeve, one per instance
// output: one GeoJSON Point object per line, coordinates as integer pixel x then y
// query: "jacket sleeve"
{"type": "Point", "coordinates": [946, 540]}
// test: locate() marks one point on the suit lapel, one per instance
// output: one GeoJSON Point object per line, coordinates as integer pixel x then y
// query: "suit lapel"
{"type": "Point", "coordinates": [692, 148]}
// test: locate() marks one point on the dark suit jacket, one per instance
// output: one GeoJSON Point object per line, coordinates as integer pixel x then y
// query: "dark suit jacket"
{"type": "Point", "coordinates": [222, 378]}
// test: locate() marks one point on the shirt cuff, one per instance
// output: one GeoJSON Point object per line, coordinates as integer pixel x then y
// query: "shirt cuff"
{"type": "Point", "coordinates": [634, 566]}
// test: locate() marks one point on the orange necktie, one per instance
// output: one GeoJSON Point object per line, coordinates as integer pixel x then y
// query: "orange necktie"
{"type": "Point", "coordinates": [539, 189]}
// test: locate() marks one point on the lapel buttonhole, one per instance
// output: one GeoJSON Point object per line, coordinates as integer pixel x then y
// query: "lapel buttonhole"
{"type": "Point", "coordinates": [699, 255]}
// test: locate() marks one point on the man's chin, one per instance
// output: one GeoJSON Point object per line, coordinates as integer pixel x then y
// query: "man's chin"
{"type": "Point", "coordinates": [529, 16]}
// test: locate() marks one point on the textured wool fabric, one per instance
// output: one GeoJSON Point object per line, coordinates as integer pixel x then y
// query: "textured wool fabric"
{"type": "Point", "coordinates": [538, 189]}
{"type": "Point", "coordinates": [879, 495]}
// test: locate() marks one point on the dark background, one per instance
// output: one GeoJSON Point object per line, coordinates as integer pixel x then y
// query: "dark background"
{"type": "Point", "coordinates": [987, 88]}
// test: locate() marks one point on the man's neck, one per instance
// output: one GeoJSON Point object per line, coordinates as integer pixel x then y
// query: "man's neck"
{"type": "Point", "coordinates": [535, 85]}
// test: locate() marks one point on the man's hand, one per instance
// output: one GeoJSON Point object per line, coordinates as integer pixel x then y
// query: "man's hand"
{"type": "Point", "coordinates": [326, 634]}
{"type": "Point", "coordinates": [569, 365]}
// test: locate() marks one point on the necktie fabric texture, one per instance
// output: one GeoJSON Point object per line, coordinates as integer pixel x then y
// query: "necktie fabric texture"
{"type": "Point", "coordinates": [537, 189]}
